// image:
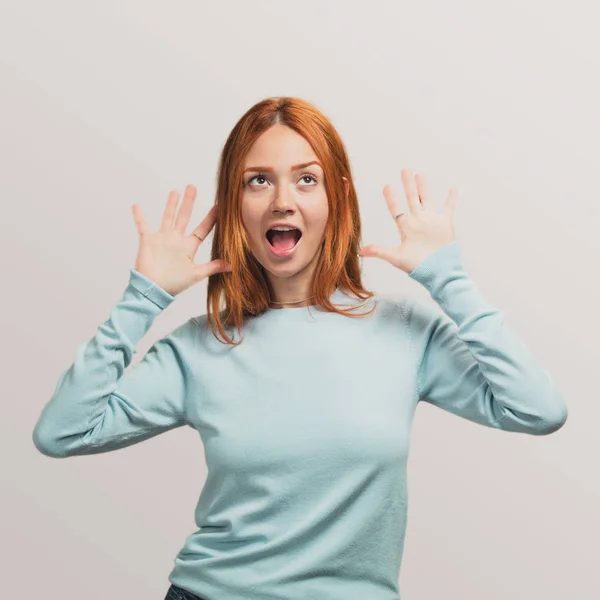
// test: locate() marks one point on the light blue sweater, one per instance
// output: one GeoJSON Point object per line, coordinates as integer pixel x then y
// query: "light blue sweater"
{"type": "Point", "coordinates": [305, 425]}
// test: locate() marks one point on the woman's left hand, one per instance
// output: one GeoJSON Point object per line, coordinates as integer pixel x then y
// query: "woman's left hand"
{"type": "Point", "coordinates": [422, 229]}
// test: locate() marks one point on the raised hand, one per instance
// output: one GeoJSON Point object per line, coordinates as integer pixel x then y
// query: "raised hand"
{"type": "Point", "coordinates": [167, 256]}
{"type": "Point", "coordinates": [422, 229]}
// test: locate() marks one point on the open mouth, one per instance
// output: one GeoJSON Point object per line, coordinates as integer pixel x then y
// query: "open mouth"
{"type": "Point", "coordinates": [283, 241]}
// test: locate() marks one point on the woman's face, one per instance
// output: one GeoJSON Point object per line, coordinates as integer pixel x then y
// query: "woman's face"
{"type": "Point", "coordinates": [276, 190]}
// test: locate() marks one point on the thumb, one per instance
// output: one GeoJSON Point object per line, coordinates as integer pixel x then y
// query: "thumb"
{"type": "Point", "coordinates": [212, 268]}
{"type": "Point", "coordinates": [377, 251]}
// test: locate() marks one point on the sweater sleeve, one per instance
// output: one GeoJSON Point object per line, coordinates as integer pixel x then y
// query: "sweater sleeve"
{"type": "Point", "coordinates": [469, 361]}
{"type": "Point", "coordinates": [97, 406]}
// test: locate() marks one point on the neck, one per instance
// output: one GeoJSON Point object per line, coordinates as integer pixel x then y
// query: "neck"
{"type": "Point", "coordinates": [291, 303]}
{"type": "Point", "coordinates": [291, 292]}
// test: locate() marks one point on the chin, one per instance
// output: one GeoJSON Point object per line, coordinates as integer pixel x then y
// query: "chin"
{"type": "Point", "coordinates": [284, 271]}
{"type": "Point", "coordinates": [284, 268]}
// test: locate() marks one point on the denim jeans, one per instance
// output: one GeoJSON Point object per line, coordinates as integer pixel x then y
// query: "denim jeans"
{"type": "Point", "coordinates": [177, 593]}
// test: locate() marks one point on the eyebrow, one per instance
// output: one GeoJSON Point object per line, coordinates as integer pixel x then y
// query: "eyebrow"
{"type": "Point", "coordinates": [292, 168]}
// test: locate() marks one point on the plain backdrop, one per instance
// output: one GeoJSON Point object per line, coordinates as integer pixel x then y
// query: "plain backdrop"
{"type": "Point", "coordinates": [107, 104]}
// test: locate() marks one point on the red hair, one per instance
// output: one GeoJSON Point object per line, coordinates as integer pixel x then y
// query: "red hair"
{"type": "Point", "coordinates": [245, 288]}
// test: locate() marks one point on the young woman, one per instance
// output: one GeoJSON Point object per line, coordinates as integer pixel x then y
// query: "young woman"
{"type": "Point", "coordinates": [301, 384]}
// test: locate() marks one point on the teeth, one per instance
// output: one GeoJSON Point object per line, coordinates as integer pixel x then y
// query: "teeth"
{"type": "Point", "coordinates": [283, 228]}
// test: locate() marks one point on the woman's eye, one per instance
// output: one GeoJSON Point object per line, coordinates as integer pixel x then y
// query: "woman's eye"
{"type": "Point", "coordinates": [252, 178]}
{"type": "Point", "coordinates": [262, 177]}
{"type": "Point", "coordinates": [309, 176]}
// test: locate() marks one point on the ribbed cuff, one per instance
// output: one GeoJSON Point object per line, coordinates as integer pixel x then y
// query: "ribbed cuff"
{"type": "Point", "coordinates": [150, 289]}
{"type": "Point", "coordinates": [435, 268]}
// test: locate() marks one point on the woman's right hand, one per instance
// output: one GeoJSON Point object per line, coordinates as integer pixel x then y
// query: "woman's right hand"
{"type": "Point", "coordinates": [167, 256]}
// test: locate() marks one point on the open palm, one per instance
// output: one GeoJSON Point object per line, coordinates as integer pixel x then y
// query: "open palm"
{"type": "Point", "coordinates": [422, 229]}
{"type": "Point", "coordinates": [166, 256]}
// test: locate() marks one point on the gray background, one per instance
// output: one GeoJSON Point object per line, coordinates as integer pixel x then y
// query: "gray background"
{"type": "Point", "coordinates": [108, 104]}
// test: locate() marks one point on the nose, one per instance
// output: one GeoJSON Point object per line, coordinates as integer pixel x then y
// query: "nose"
{"type": "Point", "coordinates": [283, 202]}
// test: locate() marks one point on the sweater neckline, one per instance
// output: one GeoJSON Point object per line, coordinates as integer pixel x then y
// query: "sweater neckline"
{"type": "Point", "coordinates": [340, 298]}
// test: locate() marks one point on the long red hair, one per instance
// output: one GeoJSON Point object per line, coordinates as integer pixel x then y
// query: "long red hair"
{"type": "Point", "coordinates": [245, 289]}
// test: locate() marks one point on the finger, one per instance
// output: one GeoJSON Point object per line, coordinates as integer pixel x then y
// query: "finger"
{"type": "Point", "coordinates": [451, 202]}
{"type": "Point", "coordinates": [378, 251]}
{"type": "Point", "coordinates": [140, 222]}
{"type": "Point", "coordinates": [391, 199]}
{"type": "Point", "coordinates": [169, 212]}
{"type": "Point", "coordinates": [423, 191]}
{"type": "Point", "coordinates": [185, 210]}
{"type": "Point", "coordinates": [212, 268]}
{"type": "Point", "coordinates": [207, 224]}
{"type": "Point", "coordinates": [411, 191]}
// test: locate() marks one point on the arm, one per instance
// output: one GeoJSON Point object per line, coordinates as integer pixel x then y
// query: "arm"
{"type": "Point", "coordinates": [96, 407]}
{"type": "Point", "coordinates": [470, 363]}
